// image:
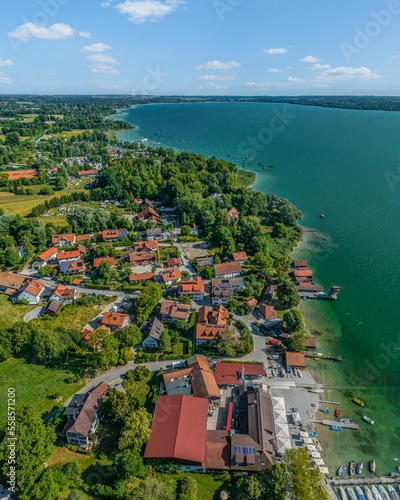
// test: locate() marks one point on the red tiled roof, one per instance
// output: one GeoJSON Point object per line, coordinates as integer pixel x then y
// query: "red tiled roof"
{"type": "Point", "coordinates": [64, 292]}
{"type": "Point", "coordinates": [147, 213]}
{"type": "Point", "coordinates": [208, 332]}
{"type": "Point", "coordinates": [113, 319]}
{"type": "Point", "coordinates": [174, 261]}
{"type": "Point", "coordinates": [48, 253]}
{"type": "Point", "coordinates": [179, 429]}
{"type": "Point", "coordinates": [251, 302]}
{"type": "Point", "coordinates": [299, 263]}
{"type": "Point", "coordinates": [237, 256]}
{"type": "Point", "coordinates": [77, 265]}
{"type": "Point", "coordinates": [227, 268]}
{"type": "Point", "coordinates": [229, 373]}
{"type": "Point", "coordinates": [98, 260]}
{"type": "Point", "coordinates": [294, 358]}
{"type": "Point", "coordinates": [233, 213]}
{"type": "Point", "coordinates": [20, 174]}
{"type": "Point", "coordinates": [83, 237]}
{"type": "Point", "coordinates": [311, 342]}
{"type": "Point", "coordinates": [171, 274]}
{"type": "Point", "coordinates": [109, 234]}
{"type": "Point", "coordinates": [87, 172]}
{"type": "Point", "coordinates": [146, 246]}
{"type": "Point", "coordinates": [302, 273]}
{"type": "Point", "coordinates": [73, 254]}
{"type": "Point", "coordinates": [35, 288]}
{"type": "Point", "coordinates": [193, 287]}
{"type": "Point", "coordinates": [267, 312]}
{"type": "Point", "coordinates": [141, 277]}
{"type": "Point", "coordinates": [204, 384]}
{"type": "Point", "coordinates": [69, 238]}
{"type": "Point", "coordinates": [100, 389]}
{"type": "Point", "coordinates": [174, 310]}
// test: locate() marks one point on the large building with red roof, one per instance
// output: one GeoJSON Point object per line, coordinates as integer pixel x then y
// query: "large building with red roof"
{"type": "Point", "coordinates": [231, 373]}
{"type": "Point", "coordinates": [179, 430]}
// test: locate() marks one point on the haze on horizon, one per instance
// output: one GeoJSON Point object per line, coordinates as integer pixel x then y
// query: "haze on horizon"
{"type": "Point", "coordinates": [214, 47]}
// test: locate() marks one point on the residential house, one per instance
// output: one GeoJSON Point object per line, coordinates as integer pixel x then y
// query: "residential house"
{"type": "Point", "coordinates": [146, 246]}
{"type": "Point", "coordinates": [98, 260]}
{"type": "Point", "coordinates": [211, 323]}
{"type": "Point", "coordinates": [32, 292]}
{"type": "Point", "coordinates": [82, 249]}
{"type": "Point", "coordinates": [269, 314]}
{"type": "Point", "coordinates": [10, 283]}
{"type": "Point", "coordinates": [149, 215]}
{"type": "Point", "coordinates": [61, 240]}
{"type": "Point", "coordinates": [233, 214]}
{"type": "Point", "coordinates": [134, 278]}
{"type": "Point", "coordinates": [114, 320]}
{"type": "Point", "coordinates": [193, 288]}
{"type": "Point", "coordinates": [170, 276]}
{"type": "Point", "coordinates": [268, 295]}
{"type": "Point", "coordinates": [227, 270]}
{"type": "Point", "coordinates": [250, 304]}
{"type": "Point", "coordinates": [295, 359]}
{"type": "Point", "coordinates": [45, 258]}
{"type": "Point", "coordinates": [204, 261]}
{"type": "Point", "coordinates": [154, 234]}
{"type": "Point", "coordinates": [141, 258]}
{"type": "Point", "coordinates": [68, 256]}
{"type": "Point", "coordinates": [171, 310]}
{"type": "Point", "coordinates": [53, 308]}
{"type": "Point", "coordinates": [231, 283]}
{"type": "Point", "coordinates": [83, 237]}
{"type": "Point", "coordinates": [240, 257]}
{"type": "Point", "coordinates": [20, 251]}
{"type": "Point", "coordinates": [63, 294]}
{"type": "Point", "coordinates": [112, 234]}
{"type": "Point", "coordinates": [152, 331]}
{"type": "Point", "coordinates": [83, 416]}
{"type": "Point", "coordinates": [221, 296]}
{"type": "Point", "coordinates": [173, 262]}
{"type": "Point", "coordinates": [72, 267]}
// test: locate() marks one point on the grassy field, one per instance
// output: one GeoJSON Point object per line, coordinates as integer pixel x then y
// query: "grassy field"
{"type": "Point", "coordinates": [22, 205]}
{"type": "Point", "coordinates": [11, 313]}
{"type": "Point", "coordinates": [76, 317]}
{"type": "Point", "coordinates": [67, 135]}
{"type": "Point", "coordinates": [208, 485]}
{"type": "Point", "coordinates": [34, 385]}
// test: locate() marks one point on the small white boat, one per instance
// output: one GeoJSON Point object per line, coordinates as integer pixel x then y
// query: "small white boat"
{"type": "Point", "coordinates": [375, 492]}
{"type": "Point", "coordinates": [352, 494]}
{"type": "Point", "coordinates": [316, 391]}
{"type": "Point", "coordinates": [360, 493]}
{"type": "Point", "coordinates": [392, 493]}
{"type": "Point", "coordinates": [299, 373]}
{"type": "Point", "coordinates": [343, 494]}
{"type": "Point", "coordinates": [384, 494]}
{"type": "Point", "coordinates": [368, 493]}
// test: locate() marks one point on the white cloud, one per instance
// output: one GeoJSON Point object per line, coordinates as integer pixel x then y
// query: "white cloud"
{"type": "Point", "coordinates": [216, 86]}
{"type": "Point", "coordinates": [6, 62]}
{"type": "Point", "coordinates": [56, 31]}
{"type": "Point", "coordinates": [140, 11]}
{"type": "Point", "coordinates": [102, 58]}
{"type": "Point", "coordinates": [216, 78]}
{"type": "Point", "coordinates": [320, 66]}
{"type": "Point", "coordinates": [4, 78]}
{"type": "Point", "coordinates": [292, 79]}
{"type": "Point", "coordinates": [275, 51]}
{"type": "Point", "coordinates": [105, 69]}
{"type": "Point", "coordinates": [320, 85]}
{"type": "Point", "coordinates": [310, 59]}
{"type": "Point", "coordinates": [219, 65]}
{"type": "Point", "coordinates": [96, 47]}
{"type": "Point", "coordinates": [266, 85]}
{"type": "Point", "coordinates": [274, 70]}
{"type": "Point", "coordinates": [347, 73]}
{"type": "Point", "coordinates": [85, 34]}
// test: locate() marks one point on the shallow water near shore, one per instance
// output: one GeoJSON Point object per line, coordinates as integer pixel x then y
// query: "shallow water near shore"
{"type": "Point", "coordinates": [342, 164]}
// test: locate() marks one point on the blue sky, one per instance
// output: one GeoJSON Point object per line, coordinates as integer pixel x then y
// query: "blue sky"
{"type": "Point", "coordinates": [201, 47]}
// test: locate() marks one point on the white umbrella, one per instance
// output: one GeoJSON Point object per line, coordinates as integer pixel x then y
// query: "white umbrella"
{"type": "Point", "coordinates": [311, 447]}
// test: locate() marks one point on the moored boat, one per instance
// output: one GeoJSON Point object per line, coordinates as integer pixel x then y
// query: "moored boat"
{"type": "Point", "coordinates": [368, 493]}
{"type": "Point", "coordinates": [342, 493]}
{"type": "Point", "coordinates": [335, 427]}
{"type": "Point", "coordinates": [359, 402]}
{"type": "Point", "coordinates": [351, 493]}
{"type": "Point", "coordinates": [376, 493]}
{"type": "Point", "coordinates": [384, 494]}
{"type": "Point", "coordinates": [346, 420]}
{"type": "Point", "coordinates": [317, 391]}
{"type": "Point", "coordinates": [338, 412]}
{"type": "Point", "coordinates": [368, 419]}
{"type": "Point", "coordinates": [392, 493]}
{"type": "Point", "coordinates": [352, 468]}
{"type": "Point", "coordinates": [341, 471]}
{"type": "Point", "coordinates": [324, 410]}
{"type": "Point", "coordinates": [360, 493]}
{"type": "Point", "coordinates": [360, 467]}
{"type": "Point", "coordinates": [372, 466]}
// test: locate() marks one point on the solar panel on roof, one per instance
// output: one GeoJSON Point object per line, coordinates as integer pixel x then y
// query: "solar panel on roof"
{"type": "Point", "coordinates": [244, 450]}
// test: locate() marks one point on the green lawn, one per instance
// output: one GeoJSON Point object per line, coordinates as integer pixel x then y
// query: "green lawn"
{"type": "Point", "coordinates": [22, 205]}
{"type": "Point", "coordinates": [208, 485]}
{"type": "Point", "coordinates": [35, 385]}
{"type": "Point", "coordinates": [11, 313]}
{"type": "Point", "coordinates": [76, 317]}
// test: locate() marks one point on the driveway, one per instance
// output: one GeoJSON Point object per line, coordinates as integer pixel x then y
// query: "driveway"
{"type": "Point", "coordinates": [34, 314]}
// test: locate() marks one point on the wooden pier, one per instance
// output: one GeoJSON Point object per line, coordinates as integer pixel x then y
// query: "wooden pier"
{"type": "Point", "coordinates": [356, 481]}
{"type": "Point", "coordinates": [344, 425]}
{"type": "Point", "coordinates": [333, 358]}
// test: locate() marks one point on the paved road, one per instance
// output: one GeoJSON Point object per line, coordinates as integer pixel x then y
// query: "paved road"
{"type": "Point", "coordinates": [33, 314]}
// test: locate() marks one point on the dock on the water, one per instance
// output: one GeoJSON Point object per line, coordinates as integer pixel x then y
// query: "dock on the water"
{"type": "Point", "coordinates": [329, 402]}
{"type": "Point", "coordinates": [340, 481]}
{"type": "Point", "coordinates": [333, 358]}
{"type": "Point", "coordinates": [344, 425]}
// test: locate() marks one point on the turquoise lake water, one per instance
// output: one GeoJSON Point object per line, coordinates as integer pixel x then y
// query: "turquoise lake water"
{"type": "Point", "coordinates": [343, 164]}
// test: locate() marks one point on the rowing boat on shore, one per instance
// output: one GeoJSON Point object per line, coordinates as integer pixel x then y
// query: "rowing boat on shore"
{"type": "Point", "coordinates": [376, 493]}
{"type": "Point", "coordinates": [316, 391]}
{"type": "Point", "coordinates": [352, 468]}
